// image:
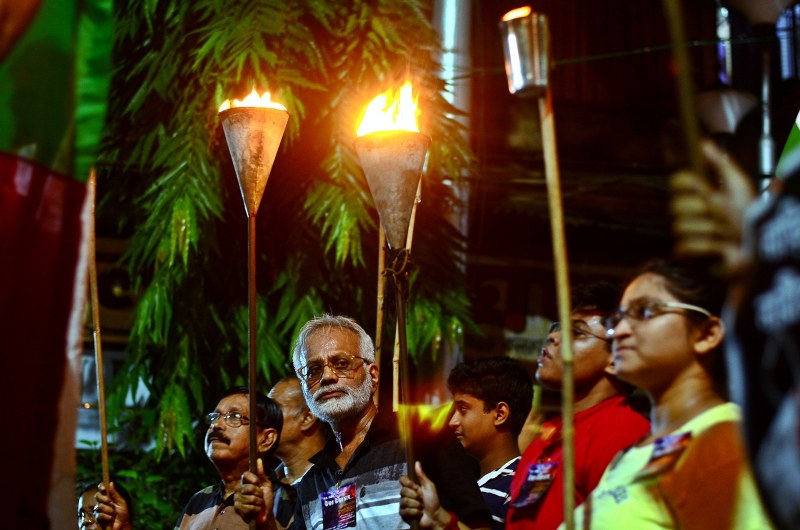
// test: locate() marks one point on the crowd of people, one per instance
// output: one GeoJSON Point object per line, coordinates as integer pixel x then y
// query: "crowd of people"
{"type": "Point", "coordinates": [685, 462]}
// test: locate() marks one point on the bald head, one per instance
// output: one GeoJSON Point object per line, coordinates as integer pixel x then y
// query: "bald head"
{"type": "Point", "coordinates": [303, 435]}
{"type": "Point", "coordinates": [288, 394]}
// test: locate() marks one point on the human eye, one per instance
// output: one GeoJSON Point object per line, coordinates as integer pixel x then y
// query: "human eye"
{"type": "Point", "coordinates": [340, 363]}
{"type": "Point", "coordinates": [650, 310]}
{"type": "Point", "coordinates": [579, 332]}
{"type": "Point", "coordinates": [234, 419]}
{"type": "Point", "coordinates": [638, 310]}
{"type": "Point", "coordinates": [313, 370]}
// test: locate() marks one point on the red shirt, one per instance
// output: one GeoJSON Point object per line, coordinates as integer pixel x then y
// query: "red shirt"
{"type": "Point", "coordinates": [600, 433]}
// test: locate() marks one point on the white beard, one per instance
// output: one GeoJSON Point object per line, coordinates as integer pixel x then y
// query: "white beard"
{"type": "Point", "coordinates": [336, 409]}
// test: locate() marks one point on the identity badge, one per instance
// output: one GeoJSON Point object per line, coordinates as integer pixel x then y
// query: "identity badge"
{"type": "Point", "coordinates": [339, 508]}
{"type": "Point", "coordinates": [666, 451]}
{"type": "Point", "coordinates": [540, 476]}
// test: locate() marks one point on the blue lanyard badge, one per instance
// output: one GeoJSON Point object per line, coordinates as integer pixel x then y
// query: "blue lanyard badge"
{"type": "Point", "coordinates": [339, 508]}
{"type": "Point", "coordinates": [540, 476]}
{"type": "Point", "coordinates": [666, 451]}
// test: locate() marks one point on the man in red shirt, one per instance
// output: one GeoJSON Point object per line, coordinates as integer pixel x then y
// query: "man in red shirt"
{"type": "Point", "coordinates": [604, 421]}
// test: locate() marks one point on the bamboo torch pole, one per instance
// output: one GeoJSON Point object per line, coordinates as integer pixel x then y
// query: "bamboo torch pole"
{"type": "Point", "coordinates": [563, 295]}
{"type": "Point", "coordinates": [380, 297]}
{"type": "Point", "coordinates": [526, 48]}
{"type": "Point", "coordinates": [396, 356]}
{"type": "Point", "coordinates": [98, 345]}
{"type": "Point", "coordinates": [683, 84]}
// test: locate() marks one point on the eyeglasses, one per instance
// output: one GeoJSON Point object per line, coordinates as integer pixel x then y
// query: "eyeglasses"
{"type": "Point", "coordinates": [640, 311]}
{"type": "Point", "coordinates": [580, 331]}
{"type": "Point", "coordinates": [231, 419]}
{"type": "Point", "coordinates": [85, 518]}
{"type": "Point", "coordinates": [342, 365]}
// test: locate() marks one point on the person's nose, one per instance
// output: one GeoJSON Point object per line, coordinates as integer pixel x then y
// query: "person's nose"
{"type": "Point", "coordinates": [621, 329]}
{"type": "Point", "coordinates": [454, 421]}
{"type": "Point", "coordinates": [553, 342]}
{"type": "Point", "coordinates": [328, 373]}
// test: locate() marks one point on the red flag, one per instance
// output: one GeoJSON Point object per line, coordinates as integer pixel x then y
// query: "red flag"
{"type": "Point", "coordinates": [54, 76]}
{"type": "Point", "coordinates": [40, 232]}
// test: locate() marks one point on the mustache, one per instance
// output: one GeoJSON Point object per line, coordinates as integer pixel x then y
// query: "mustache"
{"type": "Point", "coordinates": [331, 388]}
{"type": "Point", "coordinates": [217, 435]}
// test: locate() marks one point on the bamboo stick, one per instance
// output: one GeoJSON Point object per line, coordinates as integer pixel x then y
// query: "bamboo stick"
{"type": "Point", "coordinates": [563, 295]}
{"type": "Point", "coordinates": [396, 355]}
{"type": "Point", "coordinates": [380, 300]}
{"type": "Point", "coordinates": [683, 84]}
{"type": "Point", "coordinates": [98, 345]}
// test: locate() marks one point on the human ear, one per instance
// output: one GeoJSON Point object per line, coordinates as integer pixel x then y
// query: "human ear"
{"type": "Point", "coordinates": [502, 413]}
{"type": "Point", "coordinates": [374, 374]}
{"type": "Point", "coordinates": [308, 420]}
{"type": "Point", "coordinates": [712, 332]}
{"type": "Point", "coordinates": [266, 439]}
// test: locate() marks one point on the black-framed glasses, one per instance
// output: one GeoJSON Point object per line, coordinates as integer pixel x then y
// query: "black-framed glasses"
{"type": "Point", "coordinates": [642, 310]}
{"type": "Point", "coordinates": [580, 331]}
{"type": "Point", "coordinates": [231, 419]}
{"type": "Point", "coordinates": [343, 365]}
{"type": "Point", "coordinates": [85, 518]}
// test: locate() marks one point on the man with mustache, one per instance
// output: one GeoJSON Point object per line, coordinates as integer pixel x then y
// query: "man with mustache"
{"type": "Point", "coordinates": [227, 445]}
{"type": "Point", "coordinates": [354, 481]}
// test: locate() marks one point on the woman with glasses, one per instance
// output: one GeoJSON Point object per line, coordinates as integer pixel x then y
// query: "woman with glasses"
{"type": "Point", "coordinates": [690, 471]}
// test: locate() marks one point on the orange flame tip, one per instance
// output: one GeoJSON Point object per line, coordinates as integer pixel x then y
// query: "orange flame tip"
{"type": "Point", "coordinates": [252, 100]}
{"type": "Point", "coordinates": [519, 12]}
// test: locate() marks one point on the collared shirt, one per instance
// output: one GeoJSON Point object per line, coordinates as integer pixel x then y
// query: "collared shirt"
{"type": "Point", "coordinates": [374, 471]}
{"type": "Point", "coordinates": [601, 432]}
{"type": "Point", "coordinates": [208, 510]}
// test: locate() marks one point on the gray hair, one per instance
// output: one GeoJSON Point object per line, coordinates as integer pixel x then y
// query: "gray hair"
{"type": "Point", "coordinates": [326, 322]}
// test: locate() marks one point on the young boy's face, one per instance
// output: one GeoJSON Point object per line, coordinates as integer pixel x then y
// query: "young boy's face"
{"type": "Point", "coordinates": [473, 426]}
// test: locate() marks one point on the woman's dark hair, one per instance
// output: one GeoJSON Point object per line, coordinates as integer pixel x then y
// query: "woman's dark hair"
{"type": "Point", "coordinates": [696, 282]}
{"type": "Point", "coordinates": [692, 281]}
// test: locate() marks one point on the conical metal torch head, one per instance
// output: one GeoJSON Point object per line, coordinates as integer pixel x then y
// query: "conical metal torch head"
{"type": "Point", "coordinates": [254, 135]}
{"type": "Point", "coordinates": [392, 162]}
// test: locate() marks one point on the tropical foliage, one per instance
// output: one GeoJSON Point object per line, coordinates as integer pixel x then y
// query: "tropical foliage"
{"type": "Point", "coordinates": [167, 185]}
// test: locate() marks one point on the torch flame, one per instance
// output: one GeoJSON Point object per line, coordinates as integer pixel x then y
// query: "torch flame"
{"type": "Point", "coordinates": [252, 100]}
{"type": "Point", "coordinates": [390, 113]}
{"type": "Point", "coordinates": [519, 12]}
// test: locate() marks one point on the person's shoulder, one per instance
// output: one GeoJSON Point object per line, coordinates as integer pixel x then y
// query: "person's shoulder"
{"type": "Point", "coordinates": [619, 408]}
{"type": "Point", "coordinates": [616, 419]}
{"type": "Point", "coordinates": [208, 496]}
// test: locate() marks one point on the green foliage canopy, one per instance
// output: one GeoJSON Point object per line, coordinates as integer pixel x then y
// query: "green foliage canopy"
{"type": "Point", "coordinates": [167, 184]}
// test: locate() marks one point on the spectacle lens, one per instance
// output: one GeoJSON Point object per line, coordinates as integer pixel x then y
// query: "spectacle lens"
{"type": "Point", "coordinates": [231, 419]}
{"type": "Point", "coordinates": [643, 310]}
{"type": "Point", "coordinates": [343, 366]}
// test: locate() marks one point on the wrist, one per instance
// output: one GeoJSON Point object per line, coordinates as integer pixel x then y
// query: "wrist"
{"type": "Point", "coordinates": [452, 521]}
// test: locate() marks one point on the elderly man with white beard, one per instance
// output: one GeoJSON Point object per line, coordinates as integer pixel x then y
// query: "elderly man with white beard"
{"type": "Point", "coordinates": [354, 481]}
